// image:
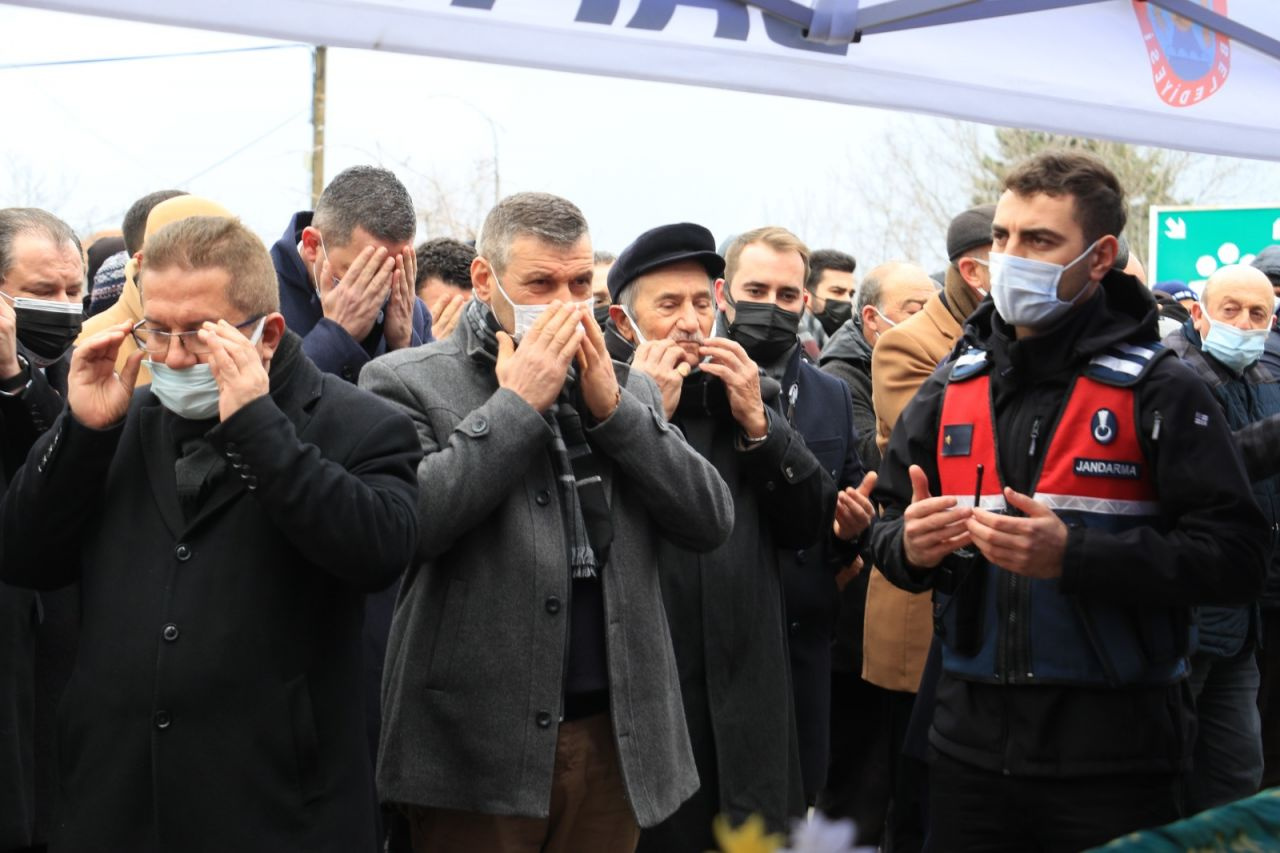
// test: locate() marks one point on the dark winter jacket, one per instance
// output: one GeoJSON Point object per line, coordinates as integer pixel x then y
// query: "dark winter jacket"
{"type": "Point", "coordinates": [1213, 552]}
{"type": "Point", "coordinates": [1251, 402]}
{"type": "Point", "coordinates": [324, 341]}
{"type": "Point", "coordinates": [37, 639]}
{"type": "Point", "coordinates": [824, 417]}
{"type": "Point", "coordinates": [847, 355]}
{"type": "Point", "coordinates": [215, 702]}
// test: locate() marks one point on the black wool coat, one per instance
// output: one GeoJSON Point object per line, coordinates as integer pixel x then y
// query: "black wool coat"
{"type": "Point", "coordinates": [215, 703]}
{"type": "Point", "coordinates": [37, 638]}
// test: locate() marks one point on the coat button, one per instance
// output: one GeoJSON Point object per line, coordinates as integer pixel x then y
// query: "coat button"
{"type": "Point", "coordinates": [182, 552]}
{"type": "Point", "coordinates": [794, 628]}
{"type": "Point", "coordinates": [543, 498]}
{"type": "Point", "coordinates": [163, 720]}
{"type": "Point", "coordinates": [790, 472]}
{"type": "Point", "coordinates": [800, 556]}
{"type": "Point", "coordinates": [170, 632]}
{"type": "Point", "coordinates": [479, 426]}
{"type": "Point", "coordinates": [553, 605]}
{"type": "Point", "coordinates": [544, 719]}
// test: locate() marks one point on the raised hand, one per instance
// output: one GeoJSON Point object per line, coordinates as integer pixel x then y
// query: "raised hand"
{"type": "Point", "coordinates": [1032, 545]}
{"type": "Point", "coordinates": [97, 396]}
{"type": "Point", "coordinates": [536, 369]}
{"type": "Point", "coordinates": [854, 509]}
{"type": "Point", "coordinates": [932, 527]}
{"type": "Point", "coordinates": [596, 378]}
{"type": "Point", "coordinates": [354, 302]}
{"type": "Point", "coordinates": [446, 313]}
{"type": "Point", "coordinates": [399, 317]}
{"type": "Point", "coordinates": [730, 363]}
{"type": "Point", "coordinates": [663, 362]}
{"type": "Point", "coordinates": [236, 365]}
{"type": "Point", "coordinates": [9, 366]}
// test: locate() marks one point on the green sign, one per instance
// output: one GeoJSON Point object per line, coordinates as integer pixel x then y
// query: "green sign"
{"type": "Point", "coordinates": [1190, 243]}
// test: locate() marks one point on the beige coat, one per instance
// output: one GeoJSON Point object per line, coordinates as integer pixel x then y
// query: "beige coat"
{"type": "Point", "coordinates": [127, 307]}
{"type": "Point", "coordinates": [899, 624]}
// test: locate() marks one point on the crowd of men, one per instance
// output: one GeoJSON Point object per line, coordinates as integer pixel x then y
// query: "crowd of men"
{"type": "Point", "coordinates": [351, 545]}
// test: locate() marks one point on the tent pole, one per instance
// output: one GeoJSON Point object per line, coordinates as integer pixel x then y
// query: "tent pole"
{"type": "Point", "coordinates": [317, 123]}
{"type": "Point", "coordinates": [1233, 30]}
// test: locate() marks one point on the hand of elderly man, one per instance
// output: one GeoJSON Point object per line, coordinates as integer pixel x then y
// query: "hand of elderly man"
{"type": "Point", "coordinates": [237, 367]}
{"type": "Point", "coordinates": [663, 362]}
{"type": "Point", "coordinates": [97, 396]}
{"type": "Point", "coordinates": [536, 369]}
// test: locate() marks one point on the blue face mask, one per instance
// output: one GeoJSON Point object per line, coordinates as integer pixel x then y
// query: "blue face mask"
{"type": "Point", "coordinates": [190, 392]}
{"type": "Point", "coordinates": [1025, 291]}
{"type": "Point", "coordinates": [1235, 348]}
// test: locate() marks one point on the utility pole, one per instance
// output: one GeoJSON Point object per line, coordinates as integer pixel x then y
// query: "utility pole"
{"type": "Point", "coordinates": [317, 124]}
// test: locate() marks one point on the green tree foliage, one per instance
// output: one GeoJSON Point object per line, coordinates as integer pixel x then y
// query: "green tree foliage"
{"type": "Point", "coordinates": [1149, 175]}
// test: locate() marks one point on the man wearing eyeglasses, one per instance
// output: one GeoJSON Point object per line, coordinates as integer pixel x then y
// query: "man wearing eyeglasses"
{"type": "Point", "coordinates": [212, 702]}
{"type": "Point", "coordinates": [347, 273]}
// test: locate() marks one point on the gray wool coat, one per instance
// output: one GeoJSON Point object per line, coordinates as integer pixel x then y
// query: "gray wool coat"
{"type": "Point", "coordinates": [476, 658]}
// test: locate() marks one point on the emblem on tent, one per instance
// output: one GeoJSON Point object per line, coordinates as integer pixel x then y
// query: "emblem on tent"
{"type": "Point", "coordinates": [1103, 426]}
{"type": "Point", "coordinates": [1189, 62]}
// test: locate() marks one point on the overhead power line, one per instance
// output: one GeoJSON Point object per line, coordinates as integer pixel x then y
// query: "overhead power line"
{"type": "Point", "coordinates": [104, 59]}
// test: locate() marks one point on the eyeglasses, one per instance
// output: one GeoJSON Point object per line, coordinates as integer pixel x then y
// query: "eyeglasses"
{"type": "Point", "coordinates": [156, 342]}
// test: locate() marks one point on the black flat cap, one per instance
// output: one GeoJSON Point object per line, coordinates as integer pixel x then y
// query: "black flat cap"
{"type": "Point", "coordinates": [663, 246]}
{"type": "Point", "coordinates": [970, 230]}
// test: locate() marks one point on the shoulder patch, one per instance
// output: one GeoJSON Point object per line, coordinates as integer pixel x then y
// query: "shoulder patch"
{"type": "Point", "coordinates": [969, 363]}
{"type": "Point", "coordinates": [1123, 365]}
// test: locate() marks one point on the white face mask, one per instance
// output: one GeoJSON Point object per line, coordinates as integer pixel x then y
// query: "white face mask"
{"type": "Point", "coordinates": [635, 327]}
{"type": "Point", "coordinates": [527, 315]}
{"type": "Point", "coordinates": [190, 392]}
{"type": "Point", "coordinates": [883, 318]}
{"type": "Point", "coordinates": [982, 291]}
{"type": "Point", "coordinates": [1025, 291]}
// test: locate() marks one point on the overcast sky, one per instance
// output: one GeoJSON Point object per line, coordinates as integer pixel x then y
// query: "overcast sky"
{"type": "Point", "coordinates": [86, 140]}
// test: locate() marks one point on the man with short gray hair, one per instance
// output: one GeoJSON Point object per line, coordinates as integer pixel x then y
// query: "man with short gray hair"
{"type": "Point", "coordinates": [347, 272]}
{"type": "Point", "coordinates": [531, 699]}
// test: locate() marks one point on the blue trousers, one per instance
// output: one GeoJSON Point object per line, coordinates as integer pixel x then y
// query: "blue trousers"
{"type": "Point", "coordinates": [1227, 760]}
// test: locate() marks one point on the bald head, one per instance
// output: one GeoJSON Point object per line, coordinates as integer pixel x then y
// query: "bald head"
{"type": "Point", "coordinates": [1237, 295]}
{"type": "Point", "coordinates": [891, 293]}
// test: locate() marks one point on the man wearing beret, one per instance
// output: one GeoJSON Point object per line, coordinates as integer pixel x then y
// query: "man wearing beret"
{"type": "Point", "coordinates": [725, 608]}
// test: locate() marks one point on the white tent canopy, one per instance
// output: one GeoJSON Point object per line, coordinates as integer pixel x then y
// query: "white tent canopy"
{"type": "Point", "coordinates": [1197, 74]}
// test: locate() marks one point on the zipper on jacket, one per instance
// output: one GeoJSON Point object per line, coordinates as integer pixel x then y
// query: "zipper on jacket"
{"type": "Point", "coordinates": [1035, 434]}
{"type": "Point", "coordinates": [1155, 426]}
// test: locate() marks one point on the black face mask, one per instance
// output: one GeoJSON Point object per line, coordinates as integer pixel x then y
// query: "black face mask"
{"type": "Point", "coordinates": [765, 331]}
{"type": "Point", "coordinates": [602, 314]}
{"type": "Point", "coordinates": [834, 315]}
{"type": "Point", "coordinates": [46, 329]}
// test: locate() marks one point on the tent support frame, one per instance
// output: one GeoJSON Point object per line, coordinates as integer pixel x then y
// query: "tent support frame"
{"type": "Point", "coordinates": [843, 21]}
